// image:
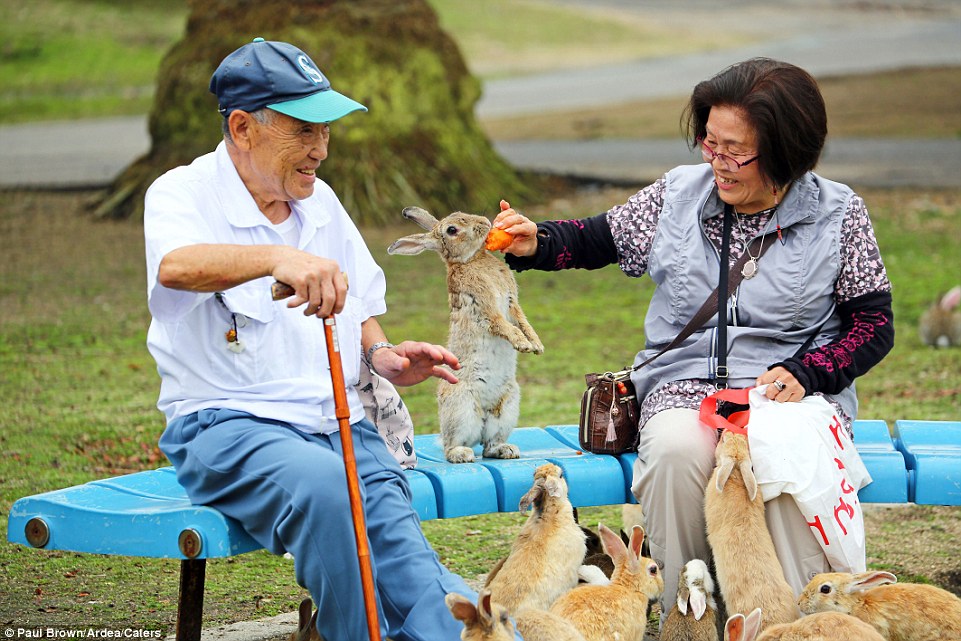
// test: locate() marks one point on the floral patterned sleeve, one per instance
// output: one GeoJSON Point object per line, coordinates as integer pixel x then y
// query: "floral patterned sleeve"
{"type": "Point", "coordinates": [862, 271]}
{"type": "Point", "coordinates": [863, 296]}
{"type": "Point", "coordinates": [633, 225]}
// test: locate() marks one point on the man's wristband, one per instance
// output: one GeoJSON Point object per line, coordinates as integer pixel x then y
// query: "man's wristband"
{"type": "Point", "coordinates": [373, 348]}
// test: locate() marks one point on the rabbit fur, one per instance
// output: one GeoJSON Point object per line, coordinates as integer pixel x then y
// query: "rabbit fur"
{"type": "Point", "coordinates": [695, 591]}
{"type": "Point", "coordinates": [616, 610]}
{"type": "Point", "coordinates": [487, 329]}
{"type": "Point", "coordinates": [825, 626]}
{"type": "Point", "coordinates": [940, 324]}
{"type": "Point", "coordinates": [748, 571]}
{"type": "Point", "coordinates": [548, 550]}
{"type": "Point", "coordinates": [489, 621]}
{"type": "Point", "coordinates": [307, 623]}
{"type": "Point", "coordinates": [899, 611]}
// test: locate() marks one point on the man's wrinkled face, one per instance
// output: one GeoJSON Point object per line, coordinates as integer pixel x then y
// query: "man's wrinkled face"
{"type": "Point", "coordinates": [284, 156]}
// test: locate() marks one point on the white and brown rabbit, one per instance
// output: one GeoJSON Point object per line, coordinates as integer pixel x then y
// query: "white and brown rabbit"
{"type": "Point", "coordinates": [694, 616]}
{"type": "Point", "coordinates": [489, 621]}
{"type": "Point", "coordinates": [749, 574]}
{"type": "Point", "coordinates": [826, 626]}
{"type": "Point", "coordinates": [940, 324]}
{"type": "Point", "coordinates": [899, 611]}
{"type": "Point", "coordinates": [487, 329]}
{"type": "Point", "coordinates": [549, 549]}
{"type": "Point", "coordinates": [617, 610]}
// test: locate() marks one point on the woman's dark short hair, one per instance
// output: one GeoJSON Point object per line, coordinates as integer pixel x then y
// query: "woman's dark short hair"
{"type": "Point", "coordinates": [782, 103]}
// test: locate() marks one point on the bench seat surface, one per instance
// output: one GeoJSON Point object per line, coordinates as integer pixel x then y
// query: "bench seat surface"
{"type": "Point", "coordinates": [144, 514]}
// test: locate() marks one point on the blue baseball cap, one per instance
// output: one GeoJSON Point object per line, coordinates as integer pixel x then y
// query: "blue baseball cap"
{"type": "Point", "coordinates": [279, 76]}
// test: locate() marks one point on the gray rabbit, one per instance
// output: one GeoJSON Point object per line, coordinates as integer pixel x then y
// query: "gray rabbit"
{"type": "Point", "coordinates": [487, 329]}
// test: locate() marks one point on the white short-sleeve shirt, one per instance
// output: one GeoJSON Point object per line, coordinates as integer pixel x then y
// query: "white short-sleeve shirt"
{"type": "Point", "coordinates": [283, 371]}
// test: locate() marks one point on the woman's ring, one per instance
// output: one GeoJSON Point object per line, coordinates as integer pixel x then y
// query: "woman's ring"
{"type": "Point", "coordinates": [779, 385]}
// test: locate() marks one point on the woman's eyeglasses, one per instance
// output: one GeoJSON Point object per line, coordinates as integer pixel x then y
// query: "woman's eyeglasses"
{"type": "Point", "coordinates": [730, 163]}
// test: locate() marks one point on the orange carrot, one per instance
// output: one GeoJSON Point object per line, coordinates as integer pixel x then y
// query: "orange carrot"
{"type": "Point", "coordinates": [498, 239]}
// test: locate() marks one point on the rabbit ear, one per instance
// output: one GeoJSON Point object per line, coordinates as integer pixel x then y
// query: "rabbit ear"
{"type": "Point", "coordinates": [413, 245]}
{"type": "Point", "coordinates": [533, 497]}
{"type": "Point", "coordinates": [553, 487]}
{"type": "Point", "coordinates": [750, 481]}
{"type": "Point", "coordinates": [484, 608]}
{"type": "Point", "coordinates": [637, 540]}
{"type": "Point", "coordinates": [461, 608]}
{"type": "Point", "coordinates": [698, 604]}
{"type": "Point", "coordinates": [868, 580]}
{"type": "Point", "coordinates": [613, 545]}
{"type": "Point", "coordinates": [724, 473]}
{"type": "Point", "coordinates": [420, 216]}
{"type": "Point", "coordinates": [683, 594]}
{"type": "Point", "coordinates": [952, 299]}
{"type": "Point", "coordinates": [734, 628]}
{"type": "Point", "coordinates": [752, 624]}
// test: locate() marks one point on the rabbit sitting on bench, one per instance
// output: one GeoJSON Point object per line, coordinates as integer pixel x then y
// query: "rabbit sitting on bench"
{"type": "Point", "coordinates": [487, 329]}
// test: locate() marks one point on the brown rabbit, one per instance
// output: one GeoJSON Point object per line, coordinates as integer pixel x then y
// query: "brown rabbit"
{"type": "Point", "coordinates": [617, 610]}
{"type": "Point", "coordinates": [307, 624]}
{"type": "Point", "coordinates": [748, 571]}
{"type": "Point", "coordinates": [940, 324]}
{"type": "Point", "coordinates": [899, 611]}
{"type": "Point", "coordinates": [826, 626]}
{"type": "Point", "coordinates": [489, 621]}
{"type": "Point", "coordinates": [548, 550]}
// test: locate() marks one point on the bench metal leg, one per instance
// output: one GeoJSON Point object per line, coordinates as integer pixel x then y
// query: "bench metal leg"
{"type": "Point", "coordinates": [191, 604]}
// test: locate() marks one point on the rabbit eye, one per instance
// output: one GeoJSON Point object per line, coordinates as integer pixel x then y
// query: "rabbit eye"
{"type": "Point", "coordinates": [451, 231]}
{"type": "Point", "coordinates": [652, 569]}
{"type": "Point", "coordinates": [825, 589]}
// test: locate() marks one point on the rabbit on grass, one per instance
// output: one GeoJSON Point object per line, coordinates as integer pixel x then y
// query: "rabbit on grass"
{"type": "Point", "coordinates": [489, 621]}
{"type": "Point", "coordinates": [549, 549]}
{"type": "Point", "coordinates": [748, 571]}
{"type": "Point", "coordinates": [617, 610]}
{"type": "Point", "coordinates": [899, 611]}
{"type": "Point", "coordinates": [825, 626]}
{"type": "Point", "coordinates": [940, 324]}
{"type": "Point", "coordinates": [487, 329]}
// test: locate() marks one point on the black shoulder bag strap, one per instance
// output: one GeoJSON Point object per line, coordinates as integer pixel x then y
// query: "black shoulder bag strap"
{"type": "Point", "coordinates": [728, 281]}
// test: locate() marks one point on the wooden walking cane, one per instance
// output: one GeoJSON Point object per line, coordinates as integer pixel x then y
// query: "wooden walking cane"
{"type": "Point", "coordinates": [279, 291]}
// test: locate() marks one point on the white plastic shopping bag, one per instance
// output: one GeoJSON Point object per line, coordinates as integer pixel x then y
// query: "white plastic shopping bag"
{"type": "Point", "coordinates": [802, 449]}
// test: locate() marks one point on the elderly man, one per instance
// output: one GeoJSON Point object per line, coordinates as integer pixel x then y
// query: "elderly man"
{"type": "Point", "coordinates": [246, 387]}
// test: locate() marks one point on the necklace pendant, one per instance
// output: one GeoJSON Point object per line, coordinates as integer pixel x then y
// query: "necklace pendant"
{"type": "Point", "coordinates": [749, 270]}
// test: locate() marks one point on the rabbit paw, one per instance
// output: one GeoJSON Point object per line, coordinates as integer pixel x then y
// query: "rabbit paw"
{"type": "Point", "coordinates": [460, 454]}
{"type": "Point", "coordinates": [502, 450]}
{"type": "Point", "coordinates": [538, 347]}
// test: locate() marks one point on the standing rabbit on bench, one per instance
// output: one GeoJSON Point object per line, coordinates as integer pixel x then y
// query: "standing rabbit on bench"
{"type": "Point", "coordinates": [487, 329]}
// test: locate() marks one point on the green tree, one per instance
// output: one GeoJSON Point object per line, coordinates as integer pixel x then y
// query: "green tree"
{"type": "Point", "coordinates": [419, 144]}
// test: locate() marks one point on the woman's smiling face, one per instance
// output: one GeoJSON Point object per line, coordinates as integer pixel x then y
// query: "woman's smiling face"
{"type": "Point", "coordinates": [728, 132]}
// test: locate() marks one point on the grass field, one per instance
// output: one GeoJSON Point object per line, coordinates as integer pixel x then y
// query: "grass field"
{"type": "Point", "coordinates": [79, 386]}
{"type": "Point", "coordinates": [79, 391]}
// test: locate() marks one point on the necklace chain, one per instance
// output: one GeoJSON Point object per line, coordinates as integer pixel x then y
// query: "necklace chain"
{"type": "Point", "coordinates": [747, 243]}
{"type": "Point", "coordinates": [750, 268]}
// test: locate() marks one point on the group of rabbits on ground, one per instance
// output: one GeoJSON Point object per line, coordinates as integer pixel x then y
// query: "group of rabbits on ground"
{"type": "Point", "coordinates": [832, 607]}
{"type": "Point", "coordinates": [537, 584]}
{"type": "Point", "coordinates": [540, 586]}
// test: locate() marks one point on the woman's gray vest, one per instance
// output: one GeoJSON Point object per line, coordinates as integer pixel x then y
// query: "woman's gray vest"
{"type": "Point", "coordinates": [771, 315]}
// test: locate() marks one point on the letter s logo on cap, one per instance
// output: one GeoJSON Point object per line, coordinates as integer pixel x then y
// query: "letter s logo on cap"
{"type": "Point", "coordinates": [310, 70]}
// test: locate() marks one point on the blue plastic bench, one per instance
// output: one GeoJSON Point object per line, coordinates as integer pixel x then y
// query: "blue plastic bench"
{"type": "Point", "coordinates": [148, 514]}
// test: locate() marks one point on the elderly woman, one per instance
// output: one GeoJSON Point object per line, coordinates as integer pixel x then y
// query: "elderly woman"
{"type": "Point", "coordinates": [809, 316]}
